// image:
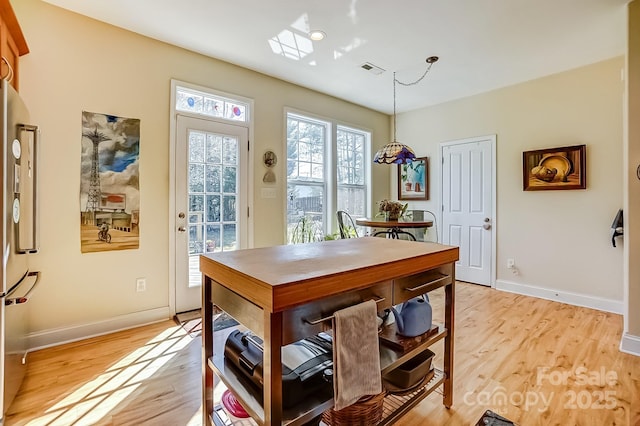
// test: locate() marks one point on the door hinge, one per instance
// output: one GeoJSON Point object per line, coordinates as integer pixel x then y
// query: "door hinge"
{"type": "Point", "coordinates": [248, 212]}
{"type": "Point", "coordinates": [248, 145]}
{"type": "Point", "coordinates": [442, 160]}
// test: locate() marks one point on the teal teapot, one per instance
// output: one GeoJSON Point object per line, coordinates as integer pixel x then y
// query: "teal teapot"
{"type": "Point", "coordinates": [414, 318]}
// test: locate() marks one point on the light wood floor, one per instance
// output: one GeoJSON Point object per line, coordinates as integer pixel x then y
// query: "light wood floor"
{"type": "Point", "coordinates": [533, 361]}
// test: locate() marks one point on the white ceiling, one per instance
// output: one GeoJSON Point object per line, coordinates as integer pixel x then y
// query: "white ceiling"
{"type": "Point", "coordinates": [482, 44]}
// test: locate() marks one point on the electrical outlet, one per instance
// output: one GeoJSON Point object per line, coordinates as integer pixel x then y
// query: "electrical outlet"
{"type": "Point", "coordinates": [511, 263]}
{"type": "Point", "coordinates": [141, 284]}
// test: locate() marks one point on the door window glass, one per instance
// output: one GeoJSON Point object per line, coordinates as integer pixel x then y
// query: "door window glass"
{"type": "Point", "coordinates": [212, 194]}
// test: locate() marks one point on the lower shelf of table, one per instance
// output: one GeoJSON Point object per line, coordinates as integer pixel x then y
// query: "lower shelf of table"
{"type": "Point", "coordinates": [219, 417]}
{"type": "Point", "coordinates": [250, 397]}
{"type": "Point", "coordinates": [395, 406]}
{"type": "Point", "coordinates": [316, 404]}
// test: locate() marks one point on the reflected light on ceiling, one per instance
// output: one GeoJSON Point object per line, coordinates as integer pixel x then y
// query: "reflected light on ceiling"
{"type": "Point", "coordinates": [291, 45]}
{"type": "Point", "coordinates": [302, 24]}
{"type": "Point", "coordinates": [294, 43]}
{"type": "Point", "coordinates": [355, 43]}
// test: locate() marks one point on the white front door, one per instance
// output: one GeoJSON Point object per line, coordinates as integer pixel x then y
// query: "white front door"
{"type": "Point", "coordinates": [210, 198]}
{"type": "Point", "coordinates": [468, 188]}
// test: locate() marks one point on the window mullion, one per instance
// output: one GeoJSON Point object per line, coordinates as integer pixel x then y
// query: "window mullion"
{"type": "Point", "coordinates": [332, 180]}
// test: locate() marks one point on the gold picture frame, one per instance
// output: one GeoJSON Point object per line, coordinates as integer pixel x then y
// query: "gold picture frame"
{"type": "Point", "coordinates": [555, 168]}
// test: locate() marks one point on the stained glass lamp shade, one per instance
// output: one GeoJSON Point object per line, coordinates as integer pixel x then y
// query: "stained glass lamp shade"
{"type": "Point", "coordinates": [394, 153]}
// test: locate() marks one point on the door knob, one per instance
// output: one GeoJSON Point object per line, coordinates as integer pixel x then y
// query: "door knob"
{"type": "Point", "coordinates": [181, 215]}
{"type": "Point", "coordinates": [182, 229]}
{"type": "Point", "coordinates": [487, 226]}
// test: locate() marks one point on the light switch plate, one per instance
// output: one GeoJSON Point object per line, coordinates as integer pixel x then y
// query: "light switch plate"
{"type": "Point", "coordinates": [268, 193]}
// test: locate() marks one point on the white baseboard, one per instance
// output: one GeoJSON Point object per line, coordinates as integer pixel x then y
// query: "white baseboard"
{"type": "Point", "coordinates": [630, 344]}
{"type": "Point", "coordinates": [57, 336]}
{"type": "Point", "coordinates": [599, 303]}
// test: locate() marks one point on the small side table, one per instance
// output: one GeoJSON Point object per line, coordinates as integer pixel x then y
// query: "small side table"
{"type": "Point", "coordinates": [394, 227]}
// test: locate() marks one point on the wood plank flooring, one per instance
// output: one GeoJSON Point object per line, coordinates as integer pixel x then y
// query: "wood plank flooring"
{"type": "Point", "coordinates": [533, 361]}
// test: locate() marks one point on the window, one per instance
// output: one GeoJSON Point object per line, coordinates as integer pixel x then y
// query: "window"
{"type": "Point", "coordinates": [351, 171]}
{"type": "Point", "coordinates": [315, 187]}
{"type": "Point", "coordinates": [190, 100]}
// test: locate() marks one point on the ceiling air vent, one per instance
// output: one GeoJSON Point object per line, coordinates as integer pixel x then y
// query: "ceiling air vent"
{"type": "Point", "coordinates": [368, 66]}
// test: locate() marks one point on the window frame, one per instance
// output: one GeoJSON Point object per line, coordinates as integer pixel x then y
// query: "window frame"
{"type": "Point", "coordinates": [366, 186]}
{"type": "Point", "coordinates": [330, 181]}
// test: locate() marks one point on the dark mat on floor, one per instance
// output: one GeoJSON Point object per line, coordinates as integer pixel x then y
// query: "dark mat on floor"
{"type": "Point", "coordinates": [192, 323]}
{"type": "Point", "coordinates": [489, 418]}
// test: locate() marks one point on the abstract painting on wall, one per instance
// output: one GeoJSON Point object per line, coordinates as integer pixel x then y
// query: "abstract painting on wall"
{"type": "Point", "coordinates": [109, 189]}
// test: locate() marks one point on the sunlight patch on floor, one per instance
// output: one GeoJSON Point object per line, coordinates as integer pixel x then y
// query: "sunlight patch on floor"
{"type": "Point", "coordinates": [97, 399]}
{"type": "Point", "coordinates": [196, 420]}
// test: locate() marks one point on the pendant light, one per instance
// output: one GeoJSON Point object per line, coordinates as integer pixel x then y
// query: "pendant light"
{"type": "Point", "coordinates": [395, 152]}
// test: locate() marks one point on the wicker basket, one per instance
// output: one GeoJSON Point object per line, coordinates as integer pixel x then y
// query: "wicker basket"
{"type": "Point", "coordinates": [366, 411]}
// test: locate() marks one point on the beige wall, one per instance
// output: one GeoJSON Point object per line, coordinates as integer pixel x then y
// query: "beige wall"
{"type": "Point", "coordinates": [560, 240]}
{"type": "Point", "coordinates": [632, 202]}
{"type": "Point", "coordinates": [78, 64]}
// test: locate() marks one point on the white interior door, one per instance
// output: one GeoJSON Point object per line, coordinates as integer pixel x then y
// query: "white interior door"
{"type": "Point", "coordinates": [210, 198]}
{"type": "Point", "coordinates": [468, 188]}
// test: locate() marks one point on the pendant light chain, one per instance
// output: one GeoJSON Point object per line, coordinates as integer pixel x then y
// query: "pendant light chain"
{"type": "Point", "coordinates": [394, 107]}
{"type": "Point", "coordinates": [395, 152]}
{"type": "Point", "coordinates": [430, 60]}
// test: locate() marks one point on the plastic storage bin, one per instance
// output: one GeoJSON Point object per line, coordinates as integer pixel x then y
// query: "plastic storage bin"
{"type": "Point", "coordinates": [411, 372]}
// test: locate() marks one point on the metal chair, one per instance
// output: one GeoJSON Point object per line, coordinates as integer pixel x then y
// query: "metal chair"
{"type": "Point", "coordinates": [346, 225]}
{"type": "Point", "coordinates": [396, 234]}
{"type": "Point", "coordinates": [421, 215]}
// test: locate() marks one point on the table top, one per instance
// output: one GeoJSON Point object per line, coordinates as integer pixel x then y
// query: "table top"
{"type": "Point", "coordinates": [377, 223]}
{"type": "Point", "coordinates": [280, 277]}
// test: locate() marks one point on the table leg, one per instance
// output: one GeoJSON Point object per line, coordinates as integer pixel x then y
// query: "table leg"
{"type": "Point", "coordinates": [208, 383]}
{"type": "Point", "coordinates": [272, 368]}
{"type": "Point", "coordinates": [449, 321]}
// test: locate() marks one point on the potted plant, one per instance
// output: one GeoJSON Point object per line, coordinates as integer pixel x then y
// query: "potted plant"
{"type": "Point", "coordinates": [391, 210]}
{"type": "Point", "coordinates": [306, 230]}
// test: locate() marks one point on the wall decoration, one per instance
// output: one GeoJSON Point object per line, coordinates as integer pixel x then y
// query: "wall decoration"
{"type": "Point", "coordinates": [269, 159]}
{"type": "Point", "coordinates": [109, 189]}
{"type": "Point", "coordinates": [413, 180]}
{"type": "Point", "coordinates": [555, 168]}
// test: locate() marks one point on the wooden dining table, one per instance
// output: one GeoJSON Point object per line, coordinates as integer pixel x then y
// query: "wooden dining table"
{"type": "Point", "coordinates": [394, 228]}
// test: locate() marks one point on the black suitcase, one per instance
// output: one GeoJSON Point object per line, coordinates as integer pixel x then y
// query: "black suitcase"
{"type": "Point", "coordinates": [304, 364]}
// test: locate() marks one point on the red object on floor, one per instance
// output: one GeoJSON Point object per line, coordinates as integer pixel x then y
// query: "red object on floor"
{"type": "Point", "coordinates": [233, 406]}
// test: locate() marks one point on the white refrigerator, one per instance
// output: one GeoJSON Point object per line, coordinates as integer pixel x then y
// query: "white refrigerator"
{"type": "Point", "coordinates": [20, 143]}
